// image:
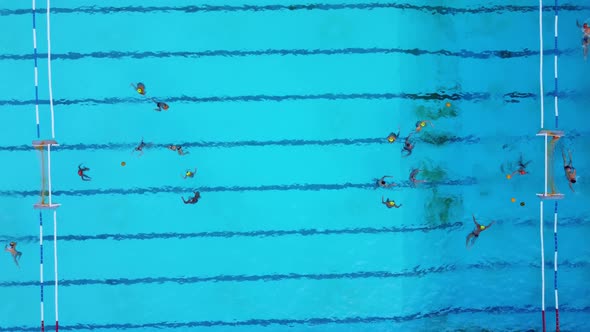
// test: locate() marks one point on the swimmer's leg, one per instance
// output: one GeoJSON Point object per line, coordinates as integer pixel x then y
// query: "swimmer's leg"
{"type": "Point", "coordinates": [467, 240]}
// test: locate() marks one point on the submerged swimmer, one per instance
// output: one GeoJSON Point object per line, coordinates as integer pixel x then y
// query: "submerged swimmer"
{"type": "Point", "coordinates": [413, 174]}
{"type": "Point", "coordinates": [192, 200]}
{"type": "Point", "coordinates": [140, 88]}
{"type": "Point", "coordinates": [393, 136]}
{"type": "Point", "coordinates": [585, 37]}
{"type": "Point", "coordinates": [383, 184]}
{"type": "Point", "coordinates": [177, 148]}
{"type": "Point", "coordinates": [189, 173]}
{"type": "Point", "coordinates": [521, 166]}
{"type": "Point", "coordinates": [421, 124]}
{"type": "Point", "coordinates": [408, 146]}
{"type": "Point", "coordinates": [15, 253]}
{"type": "Point", "coordinates": [570, 171]}
{"type": "Point", "coordinates": [81, 173]}
{"type": "Point", "coordinates": [390, 204]}
{"type": "Point", "coordinates": [140, 147]}
{"type": "Point", "coordinates": [475, 234]}
{"type": "Point", "coordinates": [160, 106]}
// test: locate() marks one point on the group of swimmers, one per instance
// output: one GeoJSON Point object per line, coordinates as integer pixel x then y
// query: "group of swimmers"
{"type": "Point", "coordinates": [160, 105]}
{"type": "Point", "coordinates": [570, 173]}
{"type": "Point", "coordinates": [406, 151]}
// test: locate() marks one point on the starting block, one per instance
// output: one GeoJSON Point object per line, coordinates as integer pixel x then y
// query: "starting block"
{"type": "Point", "coordinates": [550, 197]}
{"type": "Point", "coordinates": [554, 133]}
{"type": "Point", "coordinates": [44, 142]}
{"type": "Point", "coordinates": [40, 206]}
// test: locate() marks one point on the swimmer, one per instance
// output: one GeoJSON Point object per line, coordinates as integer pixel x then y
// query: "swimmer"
{"type": "Point", "coordinates": [390, 204]}
{"type": "Point", "coordinates": [585, 37]}
{"type": "Point", "coordinates": [15, 253]}
{"type": "Point", "coordinates": [160, 106]}
{"type": "Point", "coordinates": [521, 167]}
{"type": "Point", "coordinates": [408, 146]}
{"type": "Point", "coordinates": [140, 147]}
{"type": "Point", "coordinates": [413, 174]}
{"type": "Point", "coordinates": [81, 173]}
{"type": "Point", "coordinates": [475, 234]}
{"type": "Point", "coordinates": [393, 136]}
{"type": "Point", "coordinates": [189, 173]}
{"type": "Point", "coordinates": [140, 88]}
{"type": "Point", "coordinates": [192, 200]}
{"type": "Point", "coordinates": [178, 149]}
{"type": "Point", "coordinates": [570, 171]}
{"type": "Point", "coordinates": [383, 184]}
{"type": "Point", "coordinates": [421, 124]}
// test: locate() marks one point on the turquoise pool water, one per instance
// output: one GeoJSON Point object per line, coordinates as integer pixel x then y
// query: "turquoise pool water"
{"type": "Point", "coordinates": [285, 109]}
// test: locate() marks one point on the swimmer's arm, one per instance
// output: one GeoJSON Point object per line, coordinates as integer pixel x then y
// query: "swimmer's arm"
{"type": "Point", "coordinates": [398, 206]}
{"type": "Point", "coordinates": [490, 225]}
{"type": "Point", "coordinates": [383, 200]}
{"type": "Point", "coordinates": [475, 221]}
{"type": "Point", "coordinates": [578, 24]}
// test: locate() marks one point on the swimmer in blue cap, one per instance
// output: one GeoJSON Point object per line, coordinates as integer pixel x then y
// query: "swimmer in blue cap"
{"type": "Point", "coordinates": [382, 183]}
{"type": "Point", "coordinates": [192, 200]}
{"type": "Point", "coordinates": [408, 146]}
{"type": "Point", "coordinates": [475, 234]}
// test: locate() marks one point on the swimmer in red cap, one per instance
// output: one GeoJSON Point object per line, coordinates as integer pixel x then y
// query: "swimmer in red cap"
{"type": "Point", "coordinates": [160, 106]}
{"type": "Point", "coordinates": [570, 171]}
{"type": "Point", "coordinates": [81, 173]}
{"type": "Point", "coordinates": [140, 88]}
{"type": "Point", "coordinates": [413, 180]}
{"type": "Point", "coordinates": [521, 167]}
{"type": "Point", "coordinates": [15, 253]}
{"type": "Point", "coordinates": [585, 38]}
{"type": "Point", "coordinates": [475, 234]}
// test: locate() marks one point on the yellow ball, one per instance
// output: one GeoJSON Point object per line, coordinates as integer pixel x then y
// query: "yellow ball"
{"type": "Point", "coordinates": [513, 199]}
{"type": "Point", "coordinates": [508, 176]}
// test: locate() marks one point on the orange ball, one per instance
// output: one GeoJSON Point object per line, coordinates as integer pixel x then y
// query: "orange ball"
{"type": "Point", "coordinates": [123, 163]}
{"type": "Point", "coordinates": [513, 199]}
{"type": "Point", "coordinates": [448, 104]}
{"type": "Point", "coordinates": [508, 176]}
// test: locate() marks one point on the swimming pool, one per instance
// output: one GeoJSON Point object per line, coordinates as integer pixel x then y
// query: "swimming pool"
{"type": "Point", "coordinates": [284, 109]}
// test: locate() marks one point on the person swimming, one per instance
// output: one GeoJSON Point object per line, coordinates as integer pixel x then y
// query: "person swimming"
{"type": "Point", "coordinates": [83, 175]}
{"type": "Point", "coordinates": [393, 136]}
{"type": "Point", "coordinates": [15, 253]}
{"type": "Point", "coordinates": [475, 233]}
{"type": "Point", "coordinates": [570, 171]}
{"type": "Point", "coordinates": [413, 174]}
{"type": "Point", "coordinates": [177, 148]}
{"type": "Point", "coordinates": [382, 183]}
{"type": "Point", "coordinates": [140, 88]}
{"type": "Point", "coordinates": [140, 147]}
{"type": "Point", "coordinates": [189, 173]}
{"type": "Point", "coordinates": [585, 37]}
{"type": "Point", "coordinates": [192, 200]}
{"type": "Point", "coordinates": [408, 146]}
{"type": "Point", "coordinates": [421, 124]}
{"type": "Point", "coordinates": [160, 106]}
{"type": "Point", "coordinates": [390, 204]}
{"type": "Point", "coordinates": [521, 166]}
